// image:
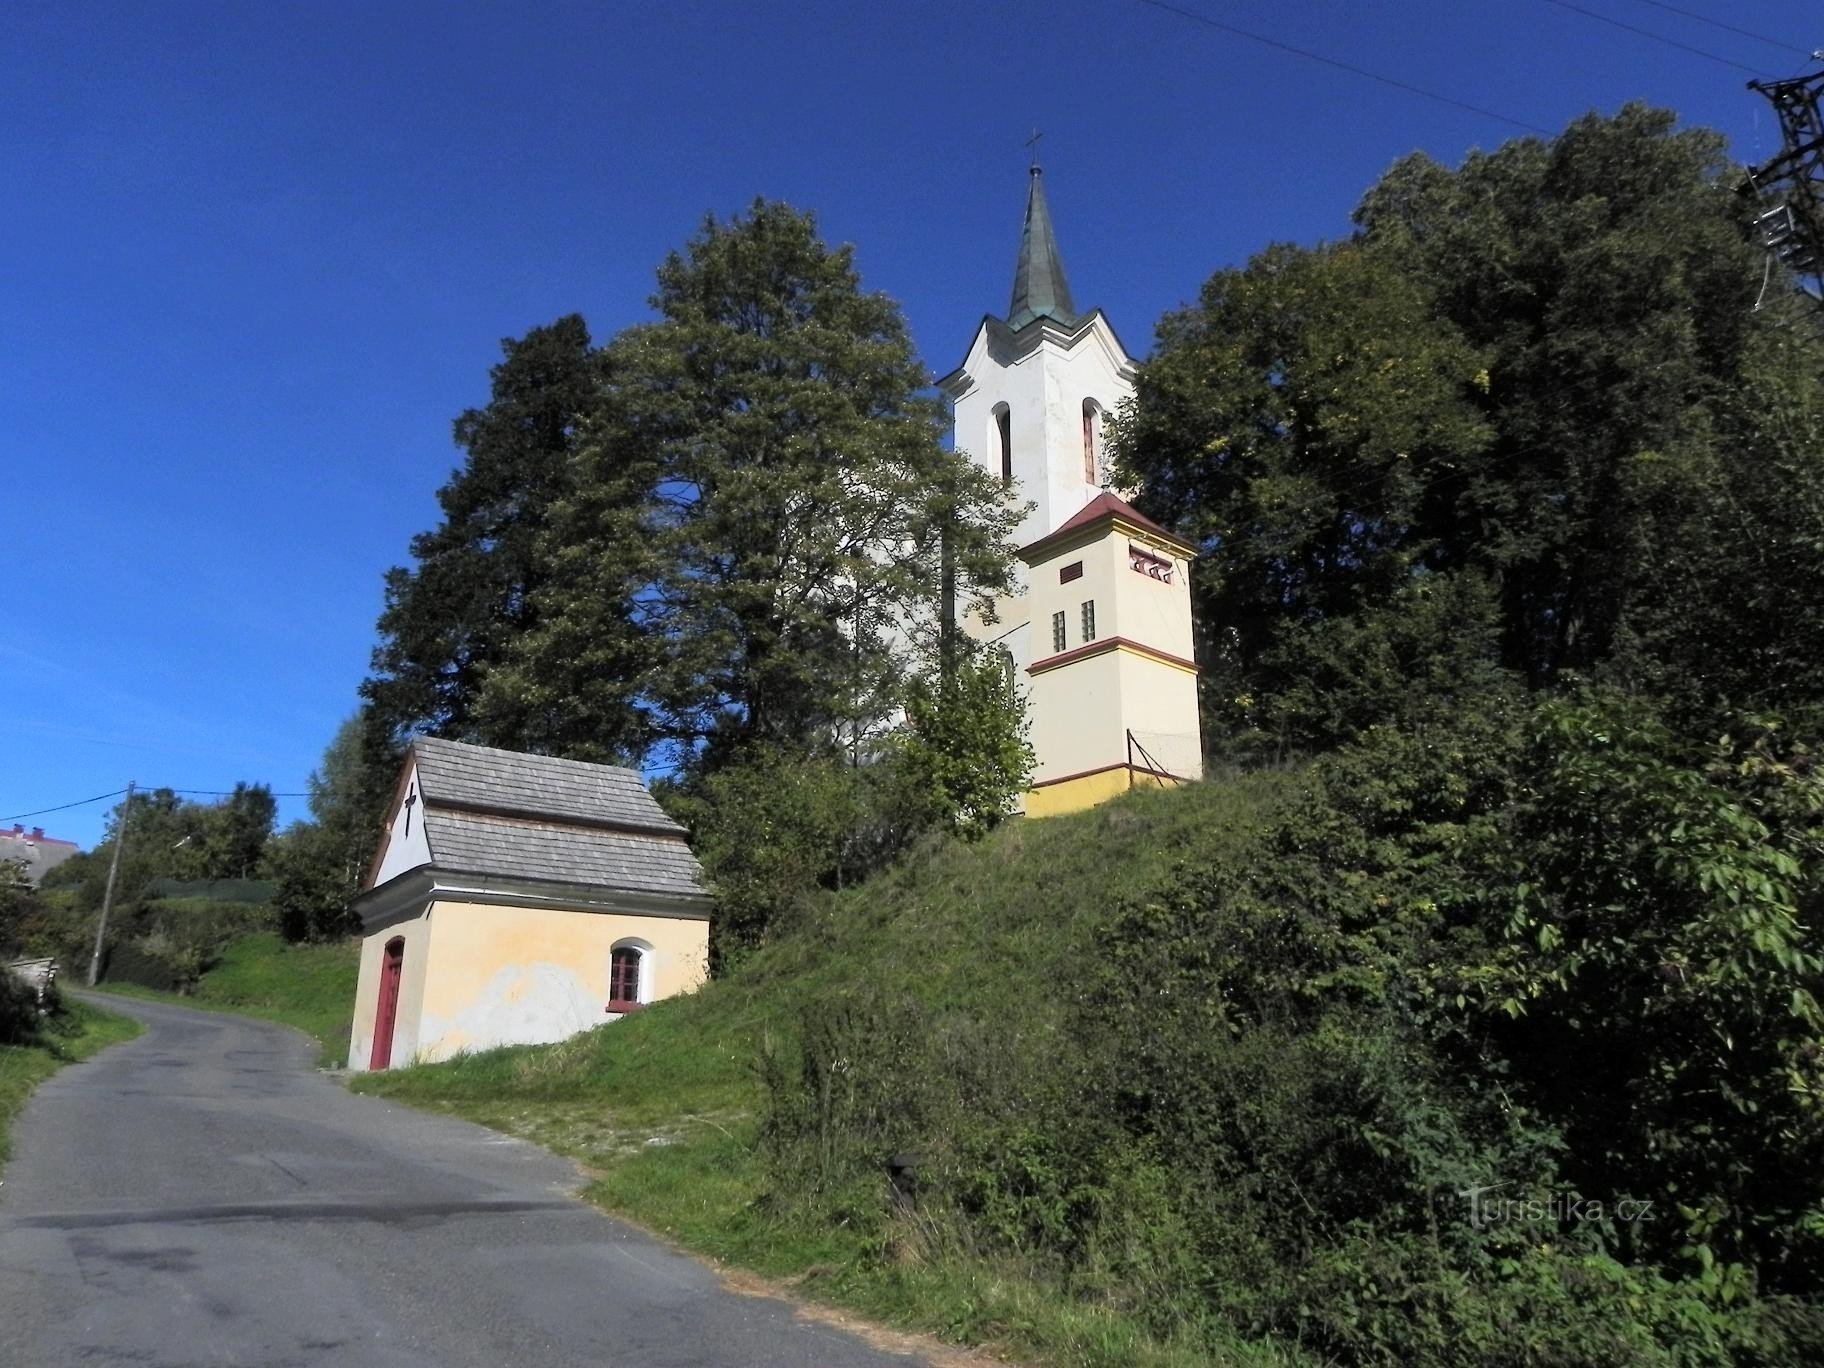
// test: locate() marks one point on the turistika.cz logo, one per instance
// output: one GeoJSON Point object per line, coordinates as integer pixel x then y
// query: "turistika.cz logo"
{"type": "Point", "coordinates": [1555, 1208]}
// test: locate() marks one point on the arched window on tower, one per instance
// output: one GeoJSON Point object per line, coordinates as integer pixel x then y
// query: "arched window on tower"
{"type": "Point", "coordinates": [1003, 441]}
{"type": "Point", "coordinates": [1092, 442]}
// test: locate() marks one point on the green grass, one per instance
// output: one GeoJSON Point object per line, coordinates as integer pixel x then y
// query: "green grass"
{"type": "Point", "coordinates": [663, 1108]}
{"type": "Point", "coordinates": [75, 1034]}
{"type": "Point", "coordinates": [311, 987]}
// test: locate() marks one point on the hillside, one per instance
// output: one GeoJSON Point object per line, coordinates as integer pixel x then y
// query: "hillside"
{"type": "Point", "coordinates": [1205, 1076]}
{"type": "Point", "coordinates": [667, 1106]}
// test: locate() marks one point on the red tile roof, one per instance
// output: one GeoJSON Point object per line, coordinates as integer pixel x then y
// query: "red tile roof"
{"type": "Point", "coordinates": [1104, 506]}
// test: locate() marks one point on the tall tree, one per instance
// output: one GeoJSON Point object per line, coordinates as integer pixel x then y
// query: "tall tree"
{"type": "Point", "coordinates": [473, 587]}
{"type": "Point", "coordinates": [171, 837]}
{"type": "Point", "coordinates": [1612, 280]}
{"type": "Point", "coordinates": [1543, 371]}
{"type": "Point", "coordinates": [318, 865]}
{"type": "Point", "coordinates": [1303, 422]}
{"type": "Point", "coordinates": [235, 841]}
{"type": "Point", "coordinates": [763, 496]}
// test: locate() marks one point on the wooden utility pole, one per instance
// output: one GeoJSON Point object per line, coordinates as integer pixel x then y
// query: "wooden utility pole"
{"type": "Point", "coordinates": [107, 897]}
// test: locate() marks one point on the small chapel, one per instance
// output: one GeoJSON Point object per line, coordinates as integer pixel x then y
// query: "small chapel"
{"type": "Point", "coordinates": [1097, 635]}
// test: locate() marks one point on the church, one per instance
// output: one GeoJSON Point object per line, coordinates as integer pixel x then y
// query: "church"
{"type": "Point", "coordinates": [1097, 634]}
{"type": "Point", "coordinates": [517, 899]}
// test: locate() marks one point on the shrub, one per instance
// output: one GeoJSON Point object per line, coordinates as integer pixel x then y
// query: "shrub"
{"type": "Point", "coordinates": [19, 1018]}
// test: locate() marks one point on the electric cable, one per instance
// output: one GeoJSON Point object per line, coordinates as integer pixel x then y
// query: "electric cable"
{"type": "Point", "coordinates": [1198, 18]}
{"type": "Point", "coordinates": [1731, 28]}
{"type": "Point", "coordinates": [1656, 37]}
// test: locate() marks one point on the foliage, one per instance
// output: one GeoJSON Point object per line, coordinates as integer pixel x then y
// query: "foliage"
{"type": "Point", "coordinates": [1295, 424]}
{"type": "Point", "coordinates": [170, 943]}
{"type": "Point", "coordinates": [319, 865]}
{"type": "Point", "coordinates": [776, 826]}
{"type": "Point", "coordinates": [764, 495]}
{"type": "Point", "coordinates": [19, 1023]}
{"type": "Point", "coordinates": [19, 908]}
{"type": "Point", "coordinates": [1662, 917]}
{"type": "Point", "coordinates": [963, 751]}
{"type": "Point", "coordinates": [472, 589]}
{"type": "Point", "coordinates": [1541, 374]}
{"type": "Point", "coordinates": [171, 837]}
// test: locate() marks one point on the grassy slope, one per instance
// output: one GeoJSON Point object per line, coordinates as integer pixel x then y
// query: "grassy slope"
{"type": "Point", "coordinates": [311, 987]}
{"type": "Point", "coordinates": [983, 930]}
{"type": "Point", "coordinates": [80, 1032]}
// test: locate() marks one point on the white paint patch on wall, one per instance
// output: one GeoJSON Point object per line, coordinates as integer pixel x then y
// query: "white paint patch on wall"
{"type": "Point", "coordinates": [529, 1004]}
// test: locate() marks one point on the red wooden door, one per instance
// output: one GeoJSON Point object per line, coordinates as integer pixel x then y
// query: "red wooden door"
{"type": "Point", "coordinates": [391, 966]}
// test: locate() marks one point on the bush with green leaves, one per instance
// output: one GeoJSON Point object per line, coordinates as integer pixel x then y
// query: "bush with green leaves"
{"type": "Point", "coordinates": [1560, 951]}
{"type": "Point", "coordinates": [19, 1016]}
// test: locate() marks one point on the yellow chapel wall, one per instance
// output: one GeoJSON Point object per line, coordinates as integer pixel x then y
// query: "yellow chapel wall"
{"type": "Point", "coordinates": [1076, 718]}
{"type": "Point", "coordinates": [523, 975]}
{"type": "Point", "coordinates": [414, 968]}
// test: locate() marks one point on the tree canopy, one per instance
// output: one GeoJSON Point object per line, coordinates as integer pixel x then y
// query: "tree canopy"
{"type": "Point", "coordinates": [720, 531]}
{"type": "Point", "coordinates": [1536, 388]}
{"type": "Point", "coordinates": [748, 554]}
{"type": "Point", "coordinates": [472, 588]}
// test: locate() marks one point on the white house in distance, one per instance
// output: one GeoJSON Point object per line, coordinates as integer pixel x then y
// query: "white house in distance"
{"type": "Point", "coordinates": [518, 899]}
{"type": "Point", "coordinates": [1099, 632]}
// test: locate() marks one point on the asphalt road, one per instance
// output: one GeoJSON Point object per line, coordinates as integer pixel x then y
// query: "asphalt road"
{"type": "Point", "coordinates": [201, 1196]}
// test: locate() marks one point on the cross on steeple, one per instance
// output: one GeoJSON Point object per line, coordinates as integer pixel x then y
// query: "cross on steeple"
{"type": "Point", "coordinates": [1033, 143]}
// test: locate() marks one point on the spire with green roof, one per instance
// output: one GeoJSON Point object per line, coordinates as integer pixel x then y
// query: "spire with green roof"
{"type": "Point", "coordinates": [1039, 287]}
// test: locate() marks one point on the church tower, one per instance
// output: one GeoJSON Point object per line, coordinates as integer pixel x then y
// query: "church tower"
{"type": "Point", "coordinates": [1031, 396]}
{"type": "Point", "coordinates": [1098, 634]}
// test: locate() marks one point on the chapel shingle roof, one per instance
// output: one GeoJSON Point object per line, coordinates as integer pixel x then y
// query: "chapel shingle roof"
{"type": "Point", "coordinates": [506, 815]}
{"type": "Point", "coordinates": [476, 843]}
{"type": "Point", "coordinates": [454, 773]}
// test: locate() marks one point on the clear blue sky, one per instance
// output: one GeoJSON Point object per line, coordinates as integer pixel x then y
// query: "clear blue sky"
{"type": "Point", "coordinates": [255, 257]}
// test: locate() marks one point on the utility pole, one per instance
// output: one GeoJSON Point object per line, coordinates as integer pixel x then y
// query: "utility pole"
{"type": "Point", "coordinates": [107, 897]}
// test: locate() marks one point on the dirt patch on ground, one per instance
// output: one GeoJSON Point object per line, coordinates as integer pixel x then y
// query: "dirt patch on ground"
{"type": "Point", "coordinates": [933, 1351]}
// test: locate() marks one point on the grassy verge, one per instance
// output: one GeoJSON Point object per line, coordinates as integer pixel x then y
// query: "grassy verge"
{"type": "Point", "coordinates": [311, 987]}
{"type": "Point", "coordinates": [664, 1108]}
{"type": "Point", "coordinates": [78, 1032]}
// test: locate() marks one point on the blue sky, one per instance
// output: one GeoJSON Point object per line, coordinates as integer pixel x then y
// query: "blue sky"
{"type": "Point", "coordinates": [254, 258]}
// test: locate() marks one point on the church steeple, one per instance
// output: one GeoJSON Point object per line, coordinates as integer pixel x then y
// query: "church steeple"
{"type": "Point", "coordinates": [1039, 287]}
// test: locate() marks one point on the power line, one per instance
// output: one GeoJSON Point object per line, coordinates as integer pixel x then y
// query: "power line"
{"type": "Point", "coordinates": [229, 793]}
{"type": "Point", "coordinates": [1731, 28]}
{"type": "Point", "coordinates": [101, 797]}
{"type": "Point", "coordinates": [80, 802]}
{"type": "Point", "coordinates": [1656, 37]}
{"type": "Point", "coordinates": [1198, 18]}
